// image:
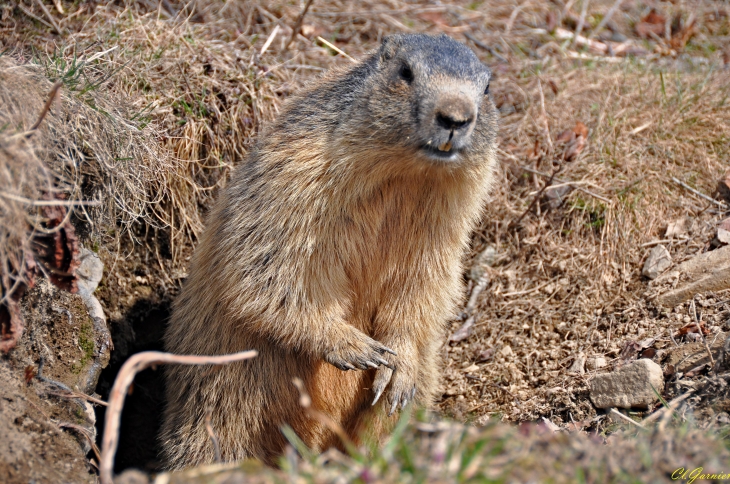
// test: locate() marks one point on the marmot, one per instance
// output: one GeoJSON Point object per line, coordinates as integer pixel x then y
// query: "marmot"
{"type": "Point", "coordinates": [336, 246]}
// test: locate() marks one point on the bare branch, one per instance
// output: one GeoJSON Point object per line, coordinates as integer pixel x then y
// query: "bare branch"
{"type": "Point", "coordinates": [47, 106]}
{"type": "Point", "coordinates": [298, 24]}
{"type": "Point", "coordinates": [131, 367]}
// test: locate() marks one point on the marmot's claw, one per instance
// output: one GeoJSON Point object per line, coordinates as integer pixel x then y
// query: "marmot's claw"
{"type": "Point", "coordinates": [393, 407]}
{"type": "Point", "coordinates": [383, 362]}
{"type": "Point", "coordinates": [385, 349]}
{"type": "Point", "coordinates": [364, 353]}
{"type": "Point", "coordinates": [378, 392]}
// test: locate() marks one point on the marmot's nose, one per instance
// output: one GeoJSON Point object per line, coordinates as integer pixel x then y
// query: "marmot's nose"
{"type": "Point", "coordinates": [454, 112]}
{"type": "Point", "coordinates": [450, 122]}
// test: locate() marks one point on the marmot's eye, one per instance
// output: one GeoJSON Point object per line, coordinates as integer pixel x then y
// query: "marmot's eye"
{"type": "Point", "coordinates": [486, 91]}
{"type": "Point", "coordinates": [406, 73]}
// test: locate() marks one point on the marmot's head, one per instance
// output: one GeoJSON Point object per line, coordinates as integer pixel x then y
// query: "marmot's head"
{"type": "Point", "coordinates": [429, 95]}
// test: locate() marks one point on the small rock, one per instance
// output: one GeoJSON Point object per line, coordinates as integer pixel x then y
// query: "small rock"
{"type": "Point", "coordinates": [471, 368]}
{"type": "Point", "coordinates": [486, 258]}
{"type": "Point", "coordinates": [596, 363]}
{"type": "Point", "coordinates": [692, 355]}
{"type": "Point", "coordinates": [705, 272]}
{"type": "Point", "coordinates": [482, 421]}
{"type": "Point", "coordinates": [723, 232]}
{"type": "Point", "coordinates": [633, 385]}
{"type": "Point", "coordinates": [506, 351]}
{"type": "Point", "coordinates": [676, 228]}
{"type": "Point", "coordinates": [578, 365]}
{"type": "Point", "coordinates": [89, 272]}
{"type": "Point", "coordinates": [658, 261]}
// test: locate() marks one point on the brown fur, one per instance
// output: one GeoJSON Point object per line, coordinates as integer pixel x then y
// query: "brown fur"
{"type": "Point", "coordinates": [338, 237]}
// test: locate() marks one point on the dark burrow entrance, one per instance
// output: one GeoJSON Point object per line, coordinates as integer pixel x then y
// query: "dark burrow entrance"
{"type": "Point", "coordinates": [140, 329]}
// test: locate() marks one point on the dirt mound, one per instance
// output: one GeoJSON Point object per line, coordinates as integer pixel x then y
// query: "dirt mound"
{"type": "Point", "coordinates": [39, 442]}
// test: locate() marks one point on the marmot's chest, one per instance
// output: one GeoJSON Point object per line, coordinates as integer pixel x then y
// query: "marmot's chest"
{"type": "Point", "coordinates": [399, 230]}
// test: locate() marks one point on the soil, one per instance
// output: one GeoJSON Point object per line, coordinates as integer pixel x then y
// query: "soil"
{"type": "Point", "coordinates": [40, 445]}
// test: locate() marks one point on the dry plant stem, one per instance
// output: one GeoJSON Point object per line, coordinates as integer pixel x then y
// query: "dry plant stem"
{"type": "Point", "coordinates": [213, 436]}
{"type": "Point", "coordinates": [270, 39]}
{"type": "Point", "coordinates": [671, 406]}
{"type": "Point", "coordinates": [298, 25]}
{"type": "Point", "coordinates": [662, 241]}
{"type": "Point", "coordinates": [484, 46]}
{"type": "Point", "coordinates": [607, 18]}
{"type": "Point", "coordinates": [131, 367]}
{"type": "Point", "coordinates": [582, 20]}
{"type": "Point", "coordinates": [698, 193]}
{"type": "Point", "coordinates": [335, 48]}
{"type": "Point", "coordinates": [621, 415]}
{"type": "Point", "coordinates": [545, 117]}
{"type": "Point", "coordinates": [49, 203]}
{"type": "Point", "coordinates": [573, 184]}
{"type": "Point", "coordinates": [85, 433]}
{"type": "Point", "coordinates": [83, 396]}
{"type": "Point", "coordinates": [50, 17]}
{"type": "Point", "coordinates": [537, 197]}
{"type": "Point", "coordinates": [47, 106]}
{"type": "Point", "coordinates": [34, 17]}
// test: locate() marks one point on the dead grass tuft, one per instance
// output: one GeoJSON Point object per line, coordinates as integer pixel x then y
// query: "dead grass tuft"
{"type": "Point", "coordinates": [92, 148]}
{"type": "Point", "coordinates": [24, 179]}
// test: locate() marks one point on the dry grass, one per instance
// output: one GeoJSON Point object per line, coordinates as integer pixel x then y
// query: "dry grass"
{"type": "Point", "coordinates": [24, 179]}
{"type": "Point", "coordinates": [579, 264]}
{"type": "Point", "coordinates": [192, 104]}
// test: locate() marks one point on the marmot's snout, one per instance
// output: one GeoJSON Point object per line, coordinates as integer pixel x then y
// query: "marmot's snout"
{"type": "Point", "coordinates": [450, 125]}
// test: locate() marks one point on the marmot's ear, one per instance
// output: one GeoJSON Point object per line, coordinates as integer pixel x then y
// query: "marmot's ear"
{"type": "Point", "coordinates": [388, 48]}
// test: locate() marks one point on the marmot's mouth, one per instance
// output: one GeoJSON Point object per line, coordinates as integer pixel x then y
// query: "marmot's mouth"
{"type": "Point", "coordinates": [442, 155]}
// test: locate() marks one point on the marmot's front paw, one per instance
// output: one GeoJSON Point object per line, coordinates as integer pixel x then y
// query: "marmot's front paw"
{"type": "Point", "coordinates": [359, 352]}
{"type": "Point", "coordinates": [401, 388]}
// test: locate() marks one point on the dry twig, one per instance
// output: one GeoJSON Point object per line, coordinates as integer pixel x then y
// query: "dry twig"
{"type": "Point", "coordinates": [50, 17]}
{"type": "Point", "coordinates": [298, 24]}
{"type": "Point", "coordinates": [630, 420]}
{"type": "Point", "coordinates": [85, 432]}
{"type": "Point", "coordinates": [212, 435]}
{"type": "Point", "coordinates": [335, 48]}
{"type": "Point", "coordinates": [671, 406]}
{"type": "Point", "coordinates": [47, 106]}
{"type": "Point", "coordinates": [131, 367]}
{"type": "Point", "coordinates": [698, 193]}
{"type": "Point", "coordinates": [76, 395]}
